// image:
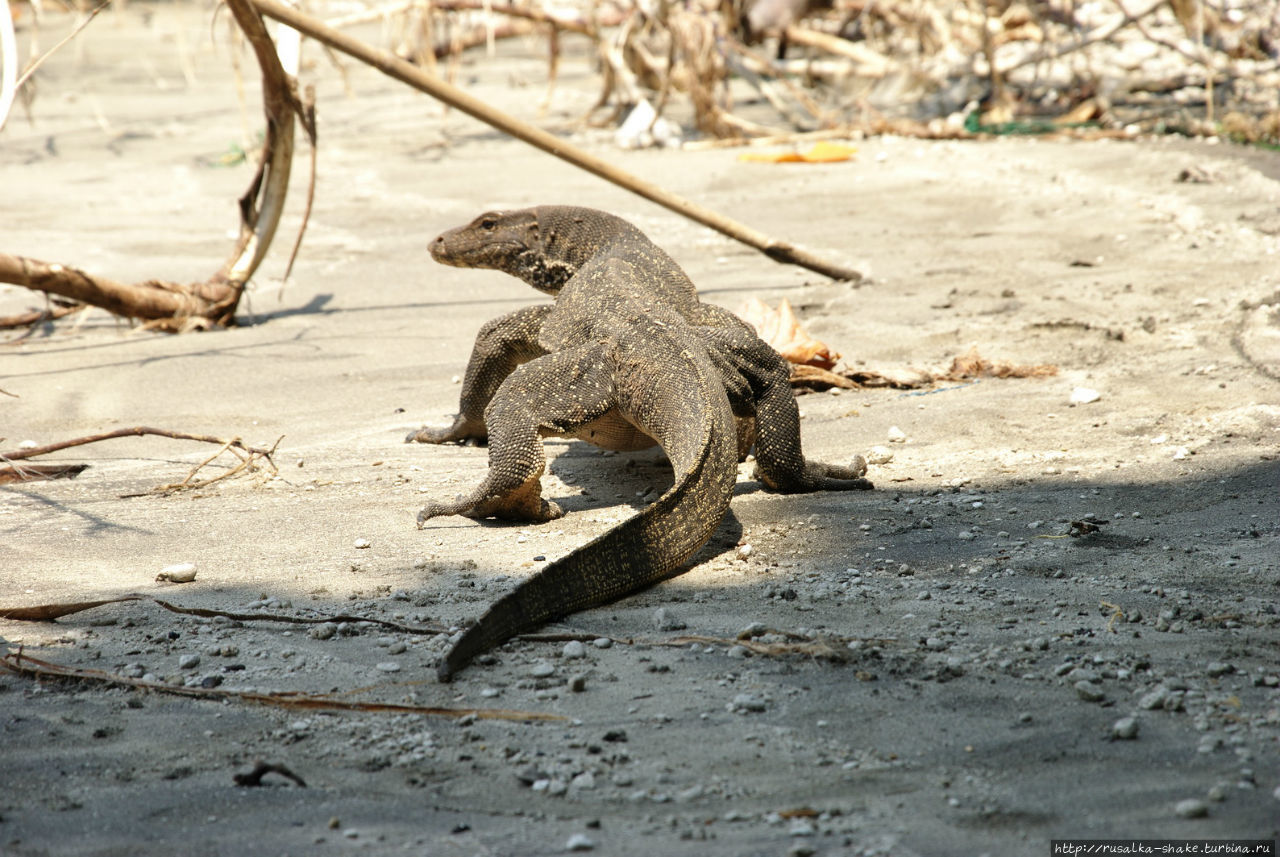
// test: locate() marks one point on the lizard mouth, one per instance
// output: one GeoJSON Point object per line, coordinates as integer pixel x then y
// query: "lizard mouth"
{"type": "Point", "coordinates": [450, 250]}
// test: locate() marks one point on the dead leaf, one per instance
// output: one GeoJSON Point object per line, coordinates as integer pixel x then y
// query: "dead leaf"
{"type": "Point", "coordinates": [819, 378]}
{"type": "Point", "coordinates": [972, 365]}
{"type": "Point", "coordinates": [781, 329]}
{"type": "Point", "coordinates": [33, 472]}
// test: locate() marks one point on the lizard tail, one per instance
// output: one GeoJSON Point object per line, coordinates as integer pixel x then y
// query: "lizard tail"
{"type": "Point", "coordinates": [639, 552]}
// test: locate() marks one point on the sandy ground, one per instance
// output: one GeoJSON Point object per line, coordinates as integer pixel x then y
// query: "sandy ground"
{"type": "Point", "coordinates": [981, 661]}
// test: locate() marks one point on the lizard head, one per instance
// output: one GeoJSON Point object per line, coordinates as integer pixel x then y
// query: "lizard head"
{"type": "Point", "coordinates": [509, 241]}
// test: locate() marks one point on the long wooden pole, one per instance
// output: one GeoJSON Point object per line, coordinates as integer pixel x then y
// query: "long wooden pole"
{"type": "Point", "coordinates": [404, 72]}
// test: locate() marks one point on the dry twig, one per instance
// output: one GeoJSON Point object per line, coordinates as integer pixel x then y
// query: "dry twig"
{"type": "Point", "coordinates": [261, 769]}
{"type": "Point", "coordinates": [248, 455]}
{"type": "Point", "coordinates": [52, 612]}
{"type": "Point", "coordinates": [22, 664]}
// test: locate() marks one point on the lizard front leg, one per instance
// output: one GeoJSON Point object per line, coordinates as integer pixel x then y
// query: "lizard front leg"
{"type": "Point", "coordinates": [556, 392]}
{"type": "Point", "coordinates": [503, 344]}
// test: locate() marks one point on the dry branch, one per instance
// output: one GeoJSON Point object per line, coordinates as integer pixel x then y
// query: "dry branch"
{"type": "Point", "coordinates": [34, 318]}
{"type": "Point", "coordinates": [52, 612]}
{"type": "Point", "coordinates": [176, 307]}
{"type": "Point", "coordinates": [136, 431]}
{"type": "Point", "coordinates": [21, 664]}
{"type": "Point", "coordinates": [8, 63]}
{"type": "Point", "coordinates": [247, 460]}
{"type": "Point", "coordinates": [150, 300]}
{"type": "Point", "coordinates": [404, 72]}
{"type": "Point", "coordinates": [261, 769]}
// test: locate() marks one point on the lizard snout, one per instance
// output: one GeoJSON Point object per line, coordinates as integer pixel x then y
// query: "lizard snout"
{"type": "Point", "coordinates": [437, 247]}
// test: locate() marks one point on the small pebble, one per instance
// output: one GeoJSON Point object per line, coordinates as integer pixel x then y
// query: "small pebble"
{"type": "Point", "coordinates": [739, 652]}
{"type": "Point", "coordinates": [389, 667]}
{"type": "Point", "coordinates": [397, 648]}
{"type": "Point", "coordinates": [1084, 396]}
{"type": "Point", "coordinates": [188, 662]}
{"type": "Point", "coordinates": [1125, 728]}
{"type": "Point", "coordinates": [602, 642]}
{"type": "Point", "coordinates": [879, 455]}
{"type": "Point", "coordinates": [748, 702]}
{"type": "Point", "coordinates": [1191, 808]}
{"type": "Point", "coordinates": [323, 631]}
{"type": "Point", "coordinates": [1088, 691]}
{"type": "Point", "coordinates": [801, 827]}
{"type": "Point", "coordinates": [182, 572]}
{"type": "Point", "coordinates": [580, 842]}
{"type": "Point", "coordinates": [575, 649]}
{"type": "Point", "coordinates": [691, 793]}
{"type": "Point", "coordinates": [361, 544]}
{"type": "Point", "coordinates": [1154, 698]}
{"type": "Point", "coordinates": [801, 849]}
{"type": "Point", "coordinates": [664, 619]}
{"type": "Point", "coordinates": [542, 669]}
{"type": "Point", "coordinates": [896, 435]}
{"type": "Point", "coordinates": [745, 551]}
{"type": "Point", "coordinates": [578, 683]}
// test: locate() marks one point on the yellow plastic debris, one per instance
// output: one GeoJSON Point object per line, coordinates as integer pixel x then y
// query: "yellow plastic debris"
{"type": "Point", "coordinates": [823, 152]}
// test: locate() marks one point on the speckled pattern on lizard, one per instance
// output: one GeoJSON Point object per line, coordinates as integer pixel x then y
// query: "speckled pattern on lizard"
{"type": "Point", "coordinates": [626, 357]}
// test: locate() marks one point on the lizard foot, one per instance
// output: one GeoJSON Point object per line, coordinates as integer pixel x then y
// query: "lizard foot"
{"type": "Point", "coordinates": [818, 476]}
{"type": "Point", "coordinates": [461, 430]}
{"type": "Point", "coordinates": [538, 512]}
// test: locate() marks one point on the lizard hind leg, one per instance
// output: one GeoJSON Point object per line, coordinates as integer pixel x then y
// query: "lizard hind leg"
{"type": "Point", "coordinates": [780, 463]}
{"type": "Point", "coordinates": [557, 392]}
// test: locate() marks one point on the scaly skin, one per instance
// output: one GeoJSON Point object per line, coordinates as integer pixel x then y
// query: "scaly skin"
{"type": "Point", "coordinates": [626, 357]}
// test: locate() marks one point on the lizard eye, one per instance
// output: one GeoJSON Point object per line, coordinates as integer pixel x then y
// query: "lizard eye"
{"type": "Point", "coordinates": [489, 224]}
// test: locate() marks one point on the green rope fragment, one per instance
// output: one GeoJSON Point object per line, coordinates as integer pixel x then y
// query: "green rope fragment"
{"type": "Point", "coordinates": [974, 125]}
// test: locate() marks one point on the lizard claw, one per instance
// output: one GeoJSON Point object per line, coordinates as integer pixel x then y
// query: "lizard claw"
{"type": "Point", "coordinates": [430, 511]}
{"type": "Point", "coordinates": [462, 430]}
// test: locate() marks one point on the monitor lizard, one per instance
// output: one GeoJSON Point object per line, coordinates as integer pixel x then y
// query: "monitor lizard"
{"type": "Point", "coordinates": [626, 357]}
